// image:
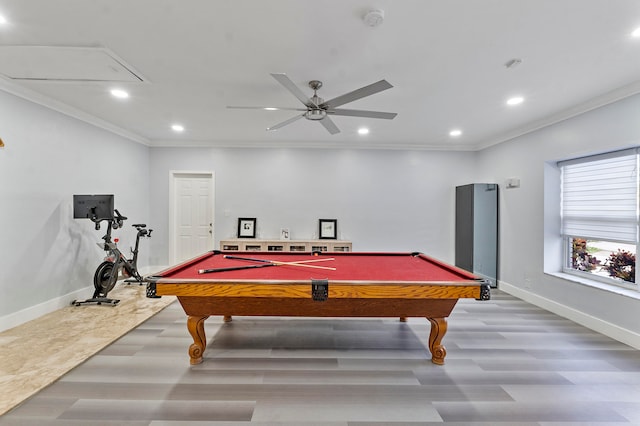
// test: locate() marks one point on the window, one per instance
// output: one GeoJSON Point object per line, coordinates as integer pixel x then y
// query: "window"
{"type": "Point", "coordinates": [599, 216]}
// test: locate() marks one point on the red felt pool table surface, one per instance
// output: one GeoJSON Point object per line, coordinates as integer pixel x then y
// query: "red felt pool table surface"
{"type": "Point", "coordinates": [381, 267]}
{"type": "Point", "coordinates": [325, 285]}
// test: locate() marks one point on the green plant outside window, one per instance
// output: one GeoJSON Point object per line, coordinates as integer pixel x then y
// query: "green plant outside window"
{"type": "Point", "coordinates": [590, 256]}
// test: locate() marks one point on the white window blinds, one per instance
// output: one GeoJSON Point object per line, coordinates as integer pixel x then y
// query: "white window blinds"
{"type": "Point", "coordinates": [600, 197]}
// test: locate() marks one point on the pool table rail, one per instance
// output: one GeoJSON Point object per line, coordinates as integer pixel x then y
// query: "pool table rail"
{"type": "Point", "coordinates": [336, 289]}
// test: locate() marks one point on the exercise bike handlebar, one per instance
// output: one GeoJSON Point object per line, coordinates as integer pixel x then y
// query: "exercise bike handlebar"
{"type": "Point", "coordinates": [118, 215]}
{"type": "Point", "coordinates": [118, 219]}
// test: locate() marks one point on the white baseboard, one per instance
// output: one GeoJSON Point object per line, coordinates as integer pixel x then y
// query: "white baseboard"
{"type": "Point", "coordinates": [36, 311]}
{"type": "Point", "coordinates": [618, 333]}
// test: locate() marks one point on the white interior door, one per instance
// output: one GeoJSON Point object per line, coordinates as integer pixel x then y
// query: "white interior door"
{"type": "Point", "coordinates": [192, 219]}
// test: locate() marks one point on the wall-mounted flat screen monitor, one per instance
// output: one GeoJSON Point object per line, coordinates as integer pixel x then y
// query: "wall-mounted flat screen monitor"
{"type": "Point", "coordinates": [94, 207]}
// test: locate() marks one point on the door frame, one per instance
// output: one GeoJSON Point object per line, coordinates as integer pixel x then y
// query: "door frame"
{"type": "Point", "coordinates": [173, 176]}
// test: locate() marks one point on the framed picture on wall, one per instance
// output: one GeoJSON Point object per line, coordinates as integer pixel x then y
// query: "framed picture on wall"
{"type": "Point", "coordinates": [328, 229]}
{"type": "Point", "coordinates": [246, 227]}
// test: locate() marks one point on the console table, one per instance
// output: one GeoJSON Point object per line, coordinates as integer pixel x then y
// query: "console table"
{"type": "Point", "coordinates": [250, 244]}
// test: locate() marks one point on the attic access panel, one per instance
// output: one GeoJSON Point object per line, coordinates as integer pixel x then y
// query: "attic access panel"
{"type": "Point", "coordinates": [59, 63]}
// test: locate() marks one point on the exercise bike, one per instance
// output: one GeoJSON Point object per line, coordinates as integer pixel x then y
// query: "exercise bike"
{"type": "Point", "coordinates": [107, 273]}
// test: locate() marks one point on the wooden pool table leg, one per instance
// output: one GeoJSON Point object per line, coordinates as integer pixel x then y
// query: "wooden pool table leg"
{"type": "Point", "coordinates": [226, 318]}
{"type": "Point", "coordinates": [195, 325]}
{"type": "Point", "coordinates": [438, 330]}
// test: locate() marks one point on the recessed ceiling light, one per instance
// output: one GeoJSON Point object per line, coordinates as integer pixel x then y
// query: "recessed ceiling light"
{"type": "Point", "coordinates": [119, 93]}
{"type": "Point", "coordinates": [3, 20]}
{"type": "Point", "coordinates": [270, 109]}
{"type": "Point", "coordinates": [455, 133]}
{"type": "Point", "coordinates": [363, 131]}
{"type": "Point", "coordinates": [177, 127]}
{"type": "Point", "coordinates": [516, 100]}
{"type": "Point", "coordinates": [636, 32]}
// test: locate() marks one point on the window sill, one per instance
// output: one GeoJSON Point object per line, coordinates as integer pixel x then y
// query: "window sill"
{"type": "Point", "coordinates": [628, 292]}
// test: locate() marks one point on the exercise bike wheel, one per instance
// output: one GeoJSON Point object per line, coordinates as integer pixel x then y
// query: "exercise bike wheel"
{"type": "Point", "coordinates": [102, 280]}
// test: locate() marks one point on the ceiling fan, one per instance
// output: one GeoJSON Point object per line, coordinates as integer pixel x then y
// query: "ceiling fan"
{"type": "Point", "coordinates": [317, 109]}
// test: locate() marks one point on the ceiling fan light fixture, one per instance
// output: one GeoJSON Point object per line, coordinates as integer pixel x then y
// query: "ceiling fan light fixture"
{"type": "Point", "coordinates": [315, 114]}
{"type": "Point", "coordinates": [373, 17]}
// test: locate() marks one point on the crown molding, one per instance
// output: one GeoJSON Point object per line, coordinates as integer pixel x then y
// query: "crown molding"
{"type": "Point", "coordinates": [607, 98]}
{"type": "Point", "coordinates": [9, 86]}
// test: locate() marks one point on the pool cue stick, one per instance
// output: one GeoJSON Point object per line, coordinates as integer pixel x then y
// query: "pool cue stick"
{"type": "Point", "coordinates": [252, 259]}
{"type": "Point", "coordinates": [234, 268]}
{"type": "Point", "coordinates": [301, 263]}
{"type": "Point", "coordinates": [262, 265]}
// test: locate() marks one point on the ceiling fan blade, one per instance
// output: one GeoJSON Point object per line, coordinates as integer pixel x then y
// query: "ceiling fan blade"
{"type": "Point", "coordinates": [329, 125]}
{"type": "Point", "coordinates": [362, 113]}
{"type": "Point", "coordinates": [295, 90]}
{"type": "Point", "coordinates": [357, 94]}
{"type": "Point", "coordinates": [284, 123]}
{"type": "Point", "coordinates": [266, 108]}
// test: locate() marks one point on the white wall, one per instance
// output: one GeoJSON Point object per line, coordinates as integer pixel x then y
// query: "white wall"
{"type": "Point", "coordinates": [383, 200]}
{"type": "Point", "coordinates": [524, 222]}
{"type": "Point", "coordinates": [46, 256]}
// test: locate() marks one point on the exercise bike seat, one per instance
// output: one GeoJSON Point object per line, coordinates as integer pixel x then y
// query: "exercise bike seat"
{"type": "Point", "coordinates": [139, 225]}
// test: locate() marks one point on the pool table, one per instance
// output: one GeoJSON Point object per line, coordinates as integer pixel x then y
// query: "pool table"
{"type": "Point", "coordinates": [317, 285]}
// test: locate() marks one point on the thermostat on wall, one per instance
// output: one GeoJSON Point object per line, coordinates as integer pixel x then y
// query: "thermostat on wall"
{"type": "Point", "coordinates": [513, 183]}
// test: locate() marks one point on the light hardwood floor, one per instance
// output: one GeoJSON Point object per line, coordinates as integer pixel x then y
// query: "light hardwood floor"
{"type": "Point", "coordinates": [508, 363]}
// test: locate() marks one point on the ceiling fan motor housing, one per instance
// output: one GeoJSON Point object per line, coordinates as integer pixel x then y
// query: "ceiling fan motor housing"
{"type": "Point", "coordinates": [315, 84]}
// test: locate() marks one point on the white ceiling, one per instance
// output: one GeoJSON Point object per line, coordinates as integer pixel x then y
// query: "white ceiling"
{"type": "Point", "coordinates": [190, 59]}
